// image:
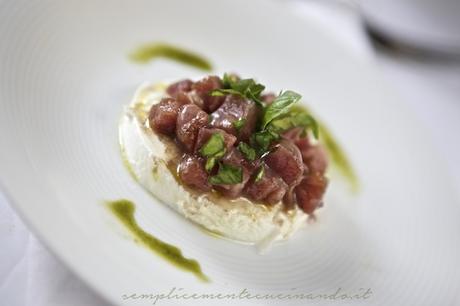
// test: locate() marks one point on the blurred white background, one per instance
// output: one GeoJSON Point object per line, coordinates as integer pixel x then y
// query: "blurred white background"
{"type": "Point", "coordinates": [30, 275]}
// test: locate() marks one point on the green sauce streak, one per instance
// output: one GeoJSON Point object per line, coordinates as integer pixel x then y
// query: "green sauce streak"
{"type": "Point", "coordinates": [155, 174]}
{"type": "Point", "coordinates": [150, 52]}
{"type": "Point", "coordinates": [338, 157]}
{"type": "Point", "coordinates": [126, 163]}
{"type": "Point", "coordinates": [124, 211]}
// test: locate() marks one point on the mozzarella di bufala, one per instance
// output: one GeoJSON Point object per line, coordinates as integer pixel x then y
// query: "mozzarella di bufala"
{"type": "Point", "coordinates": [240, 162]}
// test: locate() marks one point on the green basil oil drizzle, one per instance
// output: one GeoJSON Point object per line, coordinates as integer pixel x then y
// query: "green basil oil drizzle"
{"type": "Point", "coordinates": [338, 157]}
{"type": "Point", "coordinates": [153, 51]}
{"type": "Point", "coordinates": [124, 211]}
{"type": "Point", "coordinates": [126, 163]}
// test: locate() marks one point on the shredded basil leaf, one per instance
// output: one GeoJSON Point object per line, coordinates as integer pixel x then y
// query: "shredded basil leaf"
{"type": "Point", "coordinates": [280, 106]}
{"type": "Point", "coordinates": [214, 146]}
{"type": "Point", "coordinates": [227, 175]}
{"type": "Point", "coordinates": [213, 149]}
{"type": "Point", "coordinates": [294, 119]}
{"type": "Point", "coordinates": [229, 79]}
{"type": "Point", "coordinates": [210, 163]}
{"type": "Point", "coordinates": [260, 173]}
{"type": "Point", "coordinates": [239, 124]}
{"type": "Point", "coordinates": [223, 92]}
{"type": "Point", "coordinates": [248, 152]}
{"type": "Point", "coordinates": [247, 88]}
{"type": "Point", "coordinates": [262, 140]}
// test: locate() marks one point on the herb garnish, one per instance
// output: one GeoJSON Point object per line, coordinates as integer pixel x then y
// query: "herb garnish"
{"type": "Point", "coordinates": [239, 124]}
{"type": "Point", "coordinates": [227, 175]}
{"type": "Point", "coordinates": [295, 118]}
{"type": "Point", "coordinates": [210, 163]}
{"type": "Point", "coordinates": [213, 149]}
{"type": "Point", "coordinates": [262, 140]}
{"type": "Point", "coordinates": [248, 152]}
{"type": "Point", "coordinates": [277, 117]}
{"type": "Point", "coordinates": [214, 146]}
{"type": "Point", "coordinates": [247, 88]}
{"type": "Point", "coordinates": [280, 106]}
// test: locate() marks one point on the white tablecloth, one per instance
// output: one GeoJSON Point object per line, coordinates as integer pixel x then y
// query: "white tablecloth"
{"type": "Point", "coordinates": [30, 275]}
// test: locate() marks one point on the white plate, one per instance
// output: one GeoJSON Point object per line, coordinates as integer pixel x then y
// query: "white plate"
{"type": "Point", "coordinates": [64, 77]}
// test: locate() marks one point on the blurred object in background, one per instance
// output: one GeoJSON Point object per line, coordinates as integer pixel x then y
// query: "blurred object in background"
{"type": "Point", "coordinates": [421, 27]}
{"type": "Point", "coordinates": [429, 83]}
